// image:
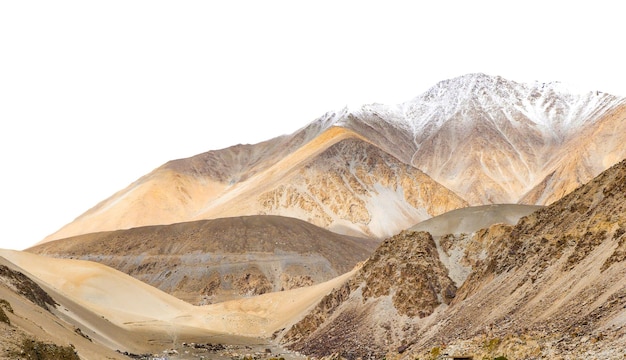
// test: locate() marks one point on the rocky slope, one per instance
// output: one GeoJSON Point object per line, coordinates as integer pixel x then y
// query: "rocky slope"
{"type": "Point", "coordinates": [216, 260]}
{"type": "Point", "coordinates": [376, 170]}
{"type": "Point", "coordinates": [400, 285]}
{"type": "Point", "coordinates": [552, 285]}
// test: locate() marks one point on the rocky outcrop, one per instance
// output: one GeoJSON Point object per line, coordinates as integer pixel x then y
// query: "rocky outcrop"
{"type": "Point", "coordinates": [550, 285]}
{"type": "Point", "coordinates": [26, 287]}
{"type": "Point", "coordinates": [402, 283]}
{"type": "Point", "coordinates": [408, 269]}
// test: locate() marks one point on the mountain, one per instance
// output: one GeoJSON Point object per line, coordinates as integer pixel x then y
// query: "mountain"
{"type": "Point", "coordinates": [493, 141]}
{"type": "Point", "coordinates": [550, 285]}
{"type": "Point", "coordinates": [379, 169]}
{"type": "Point", "coordinates": [209, 261]}
{"type": "Point", "coordinates": [337, 180]}
{"type": "Point", "coordinates": [404, 279]}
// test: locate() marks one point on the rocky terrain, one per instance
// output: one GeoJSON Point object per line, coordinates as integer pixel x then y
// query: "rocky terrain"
{"type": "Point", "coordinates": [549, 286]}
{"type": "Point", "coordinates": [210, 261]}
{"type": "Point", "coordinates": [472, 140]}
{"type": "Point", "coordinates": [403, 282]}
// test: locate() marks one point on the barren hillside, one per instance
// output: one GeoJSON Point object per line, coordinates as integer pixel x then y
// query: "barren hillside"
{"type": "Point", "coordinates": [215, 260]}
{"type": "Point", "coordinates": [338, 181]}
{"type": "Point", "coordinates": [32, 325]}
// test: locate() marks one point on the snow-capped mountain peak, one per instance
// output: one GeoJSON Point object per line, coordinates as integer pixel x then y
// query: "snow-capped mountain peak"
{"type": "Point", "coordinates": [484, 138]}
{"type": "Point", "coordinates": [507, 129]}
{"type": "Point", "coordinates": [554, 107]}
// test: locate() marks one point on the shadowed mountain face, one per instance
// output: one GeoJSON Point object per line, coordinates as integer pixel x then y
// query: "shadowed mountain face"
{"type": "Point", "coordinates": [472, 140]}
{"type": "Point", "coordinates": [552, 284]}
{"type": "Point", "coordinates": [216, 260]}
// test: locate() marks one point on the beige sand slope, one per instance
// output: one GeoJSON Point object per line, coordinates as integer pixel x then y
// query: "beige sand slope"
{"type": "Point", "coordinates": [144, 311]}
{"type": "Point", "coordinates": [474, 218]}
{"type": "Point", "coordinates": [58, 326]}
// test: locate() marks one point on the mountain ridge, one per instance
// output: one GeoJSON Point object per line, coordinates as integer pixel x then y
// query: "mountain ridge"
{"type": "Point", "coordinates": [486, 139]}
{"type": "Point", "coordinates": [306, 199]}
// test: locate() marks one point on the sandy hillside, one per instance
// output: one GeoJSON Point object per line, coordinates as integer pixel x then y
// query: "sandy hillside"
{"type": "Point", "coordinates": [142, 311]}
{"type": "Point", "coordinates": [31, 318]}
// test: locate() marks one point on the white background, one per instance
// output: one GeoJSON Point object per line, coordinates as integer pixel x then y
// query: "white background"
{"type": "Point", "coordinates": [95, 94]}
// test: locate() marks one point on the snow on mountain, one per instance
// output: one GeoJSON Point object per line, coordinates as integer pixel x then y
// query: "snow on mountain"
{"type": "Point", "coordinates": [489, 139]}
{"type": "Point", "coordinates": [480, 139]}
{"type": "Point", "coordinates": [556, 108]}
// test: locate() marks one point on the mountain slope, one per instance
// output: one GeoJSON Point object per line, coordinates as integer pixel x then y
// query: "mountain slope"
{"type": "Point", "coordinates": [337, 180]}
{"type": "Point", "coordinates": [555, 279]}
{"type": "Point", "coordinates": [401, 284]}
{"type": "Point", "coordinates": [221, 259]}
{"type": "Point", "coordinates": [486, 139]}
{"type": "Point", "coordinates": [583, 157]}
{"type": "Point", "coordinates": [351, 187]}
{"type": "Point", "coordinates": [491, 140]}
{"type": "Point", "coordinates": [175, 191]}
{"type": "Point", "coordinates": [550, 285]}
{"type": "Point", "coordinates": [404, 301]}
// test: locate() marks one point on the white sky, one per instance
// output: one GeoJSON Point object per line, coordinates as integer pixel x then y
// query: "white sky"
{"type": "Point", "coordinates": [95, 94]}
